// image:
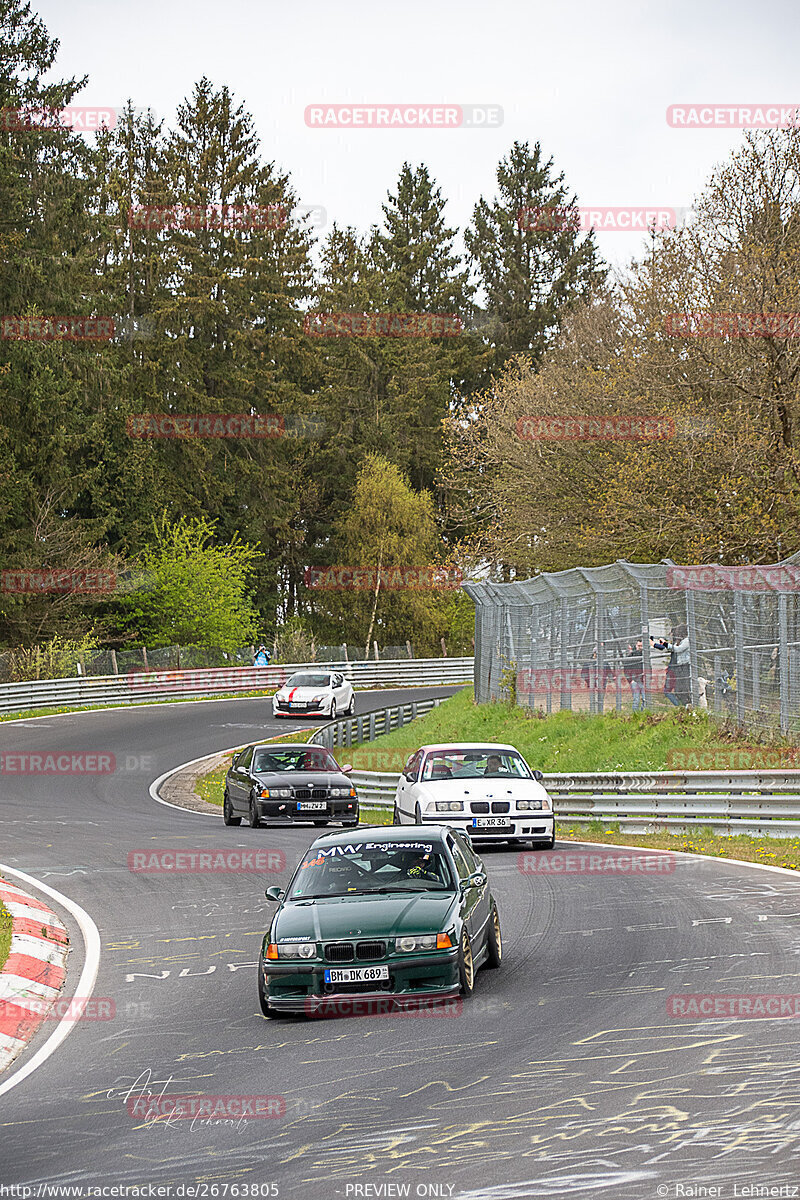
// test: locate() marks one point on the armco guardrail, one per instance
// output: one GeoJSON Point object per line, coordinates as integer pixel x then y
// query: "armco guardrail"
{"type": "Point", "coordinates": [758, 803]}
{"type": "Point", "coordinates": [137, 687]}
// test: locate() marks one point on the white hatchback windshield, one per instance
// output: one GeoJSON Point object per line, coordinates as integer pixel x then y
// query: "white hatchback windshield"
{"type": "Point", "coordinates": [305, 679]}
{"type": "Point", "coordinates": [458, 763]}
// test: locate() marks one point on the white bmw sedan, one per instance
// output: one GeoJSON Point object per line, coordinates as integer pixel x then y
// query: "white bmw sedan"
{"type": "Point", "coordinates": [315, 694]}
{"type": "Point", "coordinates": [489, 790]}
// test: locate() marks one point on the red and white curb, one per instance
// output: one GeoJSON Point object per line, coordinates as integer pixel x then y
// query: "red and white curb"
{"type": "Point", "coordinates": [34, 972]}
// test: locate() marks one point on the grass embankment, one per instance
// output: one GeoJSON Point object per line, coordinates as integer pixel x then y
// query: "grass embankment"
{"type": "Point", "coordinates": [565, 741]}
{"type": "Point", "coordinates": [5, 934]}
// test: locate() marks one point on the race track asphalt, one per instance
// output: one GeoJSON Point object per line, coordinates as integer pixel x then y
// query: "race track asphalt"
{"type": "Point", "coordinates": [564, 1074]}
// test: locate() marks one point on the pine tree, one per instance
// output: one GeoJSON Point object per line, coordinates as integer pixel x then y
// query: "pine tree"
{"type": "Point", "coordinates": [531, 271]}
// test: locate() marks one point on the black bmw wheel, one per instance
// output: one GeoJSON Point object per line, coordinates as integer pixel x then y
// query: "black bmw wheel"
{"type": "Point", "coordinates": [494, 941]}
{"type": "Point", "coordinates": [466, 965]}
{"type": "Point", "coordinates": [255, 819]}
{"type": "Point", "coordinates": [227, 811]}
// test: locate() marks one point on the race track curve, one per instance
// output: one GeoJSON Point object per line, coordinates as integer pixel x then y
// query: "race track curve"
{"type": "Point", "coordinates": [564, 1074]}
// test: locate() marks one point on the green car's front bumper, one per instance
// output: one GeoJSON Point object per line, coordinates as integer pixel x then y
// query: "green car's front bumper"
{"type": "Point", "coordinates": [413, 978]}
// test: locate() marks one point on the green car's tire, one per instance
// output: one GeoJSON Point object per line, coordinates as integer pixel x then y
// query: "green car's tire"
{"type": "Point", "coordinates": [262, 998]}
{"type": "Point", "coordinates": [466, 965]}
{"type": "Point", "coordinates": [494, 941]}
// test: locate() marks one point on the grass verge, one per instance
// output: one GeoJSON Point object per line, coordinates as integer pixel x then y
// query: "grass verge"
{"type": "Point", "coordinates": [5, 934]}
{"type": "Point", "coordinates": [565, 741]}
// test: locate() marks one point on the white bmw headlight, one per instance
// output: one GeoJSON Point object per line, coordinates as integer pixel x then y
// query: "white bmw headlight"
{"type": "Point", "coordinates": [449, 806]}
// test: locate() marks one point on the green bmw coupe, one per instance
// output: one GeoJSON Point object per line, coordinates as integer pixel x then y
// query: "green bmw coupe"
{"type": "Point", "coordinates": [385, 916]}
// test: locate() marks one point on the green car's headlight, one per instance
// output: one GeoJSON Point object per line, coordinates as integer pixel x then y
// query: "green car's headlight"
{"type": "Point", "coordinates": [449, 806]}
{"type": "Point", "coordinates": [297, 950]}
{"type": "Point", "coordinates": [424, 941]}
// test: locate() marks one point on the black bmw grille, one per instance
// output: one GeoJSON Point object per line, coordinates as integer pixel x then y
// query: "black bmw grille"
{"type": "Point", "coordinates": [310, 793]}
{"type": "Point", "coordinates": [339, 952]}
{"type": "Point", "coordinates": [501, 806]}
{"type": "Point", "coordinates": [369, 951]}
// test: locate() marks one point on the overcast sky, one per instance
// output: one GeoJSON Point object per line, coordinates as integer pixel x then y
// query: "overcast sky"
{"type": "Point", "coordinates": [590, 80]}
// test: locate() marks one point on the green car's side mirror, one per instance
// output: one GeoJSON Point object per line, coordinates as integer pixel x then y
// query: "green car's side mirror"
{"type": "Point", "coordinates": [275, 893]}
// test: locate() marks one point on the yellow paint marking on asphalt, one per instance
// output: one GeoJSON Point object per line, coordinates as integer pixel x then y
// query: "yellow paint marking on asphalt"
{"type": "Point", "coordinates": [197, 937]}
{"type": "Point", "coordinates": [624, 1066]}
{"type": "Point", "coordinates": [443, 1083]}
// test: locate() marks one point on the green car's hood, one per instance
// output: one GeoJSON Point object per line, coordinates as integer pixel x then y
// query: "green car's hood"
{"type": "Point", "coordinates": [375, 916]}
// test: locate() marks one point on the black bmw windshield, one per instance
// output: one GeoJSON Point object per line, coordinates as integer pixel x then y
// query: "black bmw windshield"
{"type": "Point", "coordinates": [302, 759]}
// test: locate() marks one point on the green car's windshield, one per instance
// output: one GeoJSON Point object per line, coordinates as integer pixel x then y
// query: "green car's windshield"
{"type": "Point", "coordinates": [303, 758]}
{"type": "Point", "coordinates": [372, 867]}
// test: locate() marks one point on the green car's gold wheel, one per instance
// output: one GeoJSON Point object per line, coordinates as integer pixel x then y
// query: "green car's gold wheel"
{"type": "Point", "coordinates": [494, 944]}
{"type": "Point", "coordinates": [466, 965]}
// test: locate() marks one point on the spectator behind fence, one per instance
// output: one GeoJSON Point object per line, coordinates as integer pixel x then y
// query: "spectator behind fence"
{"type": "Point", "coordinates": [633, 669]}
{"type": "Point", "coordinates": [262, 657]}
{"type": "Point", "coordinates": [676, 683]}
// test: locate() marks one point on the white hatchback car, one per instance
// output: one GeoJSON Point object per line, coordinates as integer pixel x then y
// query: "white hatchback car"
{"type": "Point", "coordinates": [314, 694]}
{"type": "Point", "coordinates": [489, 790]}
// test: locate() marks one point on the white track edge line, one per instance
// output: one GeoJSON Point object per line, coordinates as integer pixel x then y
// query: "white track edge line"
{"type": "Point", "coordinates": [739, 862]}
{"type": "Point", "coordinates": [85, 987]}
{"type": "Point", "coordinates": [156, 784]}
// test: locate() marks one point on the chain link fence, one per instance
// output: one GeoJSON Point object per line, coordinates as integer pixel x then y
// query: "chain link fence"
{"type": "Point", "coordinates": [724, 638]}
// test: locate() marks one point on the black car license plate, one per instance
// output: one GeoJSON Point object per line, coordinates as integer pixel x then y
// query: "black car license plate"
{"type": "Point", "coordinates": [312, 805]}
